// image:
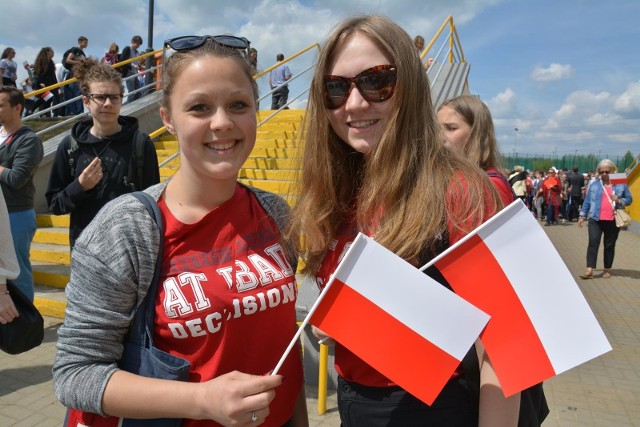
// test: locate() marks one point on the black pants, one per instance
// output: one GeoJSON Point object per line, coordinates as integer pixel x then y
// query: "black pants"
{"type": "Point", "coordinates": [279, 97]}
{"type": "Point", "coordinates": [574, 207]}
{"type": "Point", "coordinates": [6, 81]}
{"type": "Point", "coordinates": [362, 406]}
{"type": "Point", "coordinates": [596, 230]}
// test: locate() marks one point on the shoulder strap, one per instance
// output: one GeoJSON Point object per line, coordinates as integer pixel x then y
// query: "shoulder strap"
{"type": "Point", "coordinates": [145, 315]}
{"type": "Point", "coordinates": [279, 210]}
{"type": "Point", "coordinates": [135, 170]}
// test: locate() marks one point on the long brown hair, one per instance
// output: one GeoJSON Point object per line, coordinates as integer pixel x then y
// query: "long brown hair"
{"type": "Point", "coordinates": [42, 62]}
{"type": "Point", "coordinates": [410, 185]}
{"type": "Point", "coordinates": [481, 147]}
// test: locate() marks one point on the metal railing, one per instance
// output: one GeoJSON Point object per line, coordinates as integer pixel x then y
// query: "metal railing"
{"type": "Point", "coordinates": [67, 82]}
{"type": "Point", "coordinates": [450, 49]}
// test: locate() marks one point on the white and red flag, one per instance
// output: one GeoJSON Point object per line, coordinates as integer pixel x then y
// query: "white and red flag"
{"type": "Point", "coordinates": [46, 95]}
{"type": "Point", "coordinates": [541, 324]}
{"type": "Point", "coordinates": [618, 178]}
{"type": "Point", "coordinates": [404, 324]}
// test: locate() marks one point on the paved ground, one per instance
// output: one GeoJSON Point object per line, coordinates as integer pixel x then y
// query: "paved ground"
{"type": "Point", "coordinates": [602, 392]}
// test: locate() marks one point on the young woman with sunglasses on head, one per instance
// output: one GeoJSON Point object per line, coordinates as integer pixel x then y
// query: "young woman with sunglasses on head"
{"type": "Point", "coordinates": [599, 205]}
{"type": "Point", "coordinates": [92, 164]}
{"type": "Point", "coordinates": [226, 294]}
{"type": "Point", "coordinates": [373, 162]}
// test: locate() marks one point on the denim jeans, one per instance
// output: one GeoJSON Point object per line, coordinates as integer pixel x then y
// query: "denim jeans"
{"type": "Point", "coordinates": [23, 228]}
{"type": "Point", "coordinates": [71, 91]}
{"type": "Point", "coordinates": [132, 85]}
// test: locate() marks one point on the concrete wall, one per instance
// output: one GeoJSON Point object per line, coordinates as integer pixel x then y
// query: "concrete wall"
{"type": "Point", "coordinates": [144, 109]}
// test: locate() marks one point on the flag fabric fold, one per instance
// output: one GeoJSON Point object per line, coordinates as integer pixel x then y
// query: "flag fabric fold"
{"type": "Point", "coordinates": [618, 178]}
{"type": "Point", "coordinates": [541, 324]}
{"type": "Point", "coordinates": [404, 324]}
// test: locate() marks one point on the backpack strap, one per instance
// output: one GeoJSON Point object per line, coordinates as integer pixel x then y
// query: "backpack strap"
{"type": "Point", "coordinates": [278, 209]}
{"type": "Point", "coordinates": [135, 171]}
{"type": "Point", "coordinates": [143, 323]}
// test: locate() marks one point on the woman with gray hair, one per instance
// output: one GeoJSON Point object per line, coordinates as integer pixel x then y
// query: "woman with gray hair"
{"type": "Point", "coordinates": [599, 206]}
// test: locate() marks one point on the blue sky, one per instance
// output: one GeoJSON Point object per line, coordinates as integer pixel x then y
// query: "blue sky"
{"type": "Point", "coordinates": [565, 73]}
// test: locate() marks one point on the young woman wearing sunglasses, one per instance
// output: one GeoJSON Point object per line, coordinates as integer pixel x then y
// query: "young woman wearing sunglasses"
{"type": "Point", "coordinates": [373, 162]}
{"type": "Point", "coordinates": [226, 295]}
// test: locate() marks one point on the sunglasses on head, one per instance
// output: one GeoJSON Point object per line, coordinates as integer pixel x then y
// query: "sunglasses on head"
{"type": "Point", "coordinates": [375, 84]}
{"type": "Point", "coordinates": [192, 42]}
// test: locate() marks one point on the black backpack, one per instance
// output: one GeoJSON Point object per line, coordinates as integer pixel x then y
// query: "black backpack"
{"type": "Point", "coordinates": [135, 173]}
{"type": "Point", "coordinates": [64, 58]}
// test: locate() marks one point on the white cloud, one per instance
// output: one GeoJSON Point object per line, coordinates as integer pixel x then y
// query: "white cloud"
{"type": "Point", "coordinates": [552, 73]}
{"type": "Point", "coordinates": [628, 103]}
{"type": "Point", "coordinates": [503, 104]}
{"type": "Point", "coordinates": [578, 107]}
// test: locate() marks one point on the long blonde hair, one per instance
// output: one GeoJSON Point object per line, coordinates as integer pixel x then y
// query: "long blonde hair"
{"type": "Point", "coordinates": [402, 188]}
{"type": "Point", "coordinates": [481, 147]}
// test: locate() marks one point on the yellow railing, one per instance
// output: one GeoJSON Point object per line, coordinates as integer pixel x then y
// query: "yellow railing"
{"type": "Point", "coordinates": [284, 61]}
{"type": "Point", "coordinates": [452, 39]}
{"type": "Point", "coordinates": [73, 80]}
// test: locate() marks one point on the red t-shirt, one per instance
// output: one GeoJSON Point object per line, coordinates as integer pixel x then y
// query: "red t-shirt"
{"type": "Point", "coordinates": [226, 299]}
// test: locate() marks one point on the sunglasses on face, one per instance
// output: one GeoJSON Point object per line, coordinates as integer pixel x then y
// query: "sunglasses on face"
{"type": "Point", "coordinates": [192, 42]}
{"type": "Point", "coordinates": [603, 172]}
{"type": "Point", "coordinates": [375, 84]}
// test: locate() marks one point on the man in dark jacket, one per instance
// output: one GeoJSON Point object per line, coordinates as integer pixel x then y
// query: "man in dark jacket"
{"type": "Point", "coordinates": [20, 154]}
{"type": "Point", "coordinates": [131, 69]}
{"type": "Point", "coordinates": [576, 184]}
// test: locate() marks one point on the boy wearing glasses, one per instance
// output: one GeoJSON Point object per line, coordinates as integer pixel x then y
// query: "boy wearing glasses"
{"type": "Point", "coordinates": [104, 157]}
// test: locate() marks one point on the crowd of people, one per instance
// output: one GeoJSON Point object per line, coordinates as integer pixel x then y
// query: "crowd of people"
{"type": "Point", "coordinates": [219, 266]}
{"type": "Point", "coordinates": [44, 72]}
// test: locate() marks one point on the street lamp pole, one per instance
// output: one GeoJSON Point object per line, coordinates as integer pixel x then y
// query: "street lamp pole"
{"type": "Point", "coordinates": [150, 60]}
{"type": "Point", "coordinates": [515, 145]}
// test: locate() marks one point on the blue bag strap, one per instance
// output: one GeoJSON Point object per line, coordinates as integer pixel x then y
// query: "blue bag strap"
{"type": "Point", "coordinates": [143, 324]}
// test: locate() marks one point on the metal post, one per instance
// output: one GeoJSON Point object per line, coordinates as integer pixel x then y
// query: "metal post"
{"type": "Point", "coordinates": [322, 379]}
{"type": "Point", "coordinates": [150, 60]}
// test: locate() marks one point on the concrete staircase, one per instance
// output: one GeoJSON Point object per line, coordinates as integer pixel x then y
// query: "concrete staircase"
{"type": "Point", "coordinates": [271, 166]}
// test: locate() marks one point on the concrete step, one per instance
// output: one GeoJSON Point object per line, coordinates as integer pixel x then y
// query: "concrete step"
{"type": "Point", "coordinates": [50, 220]}
{"type": "Point", "coordinates": [54, 254]}
{"type": "Point", "coordinates": [53, 235]}
{"type": "Point", "coordinates": [278, 134]}
{"type": "Point", "coordinates": [279, 126]}
{"type": "Point", "coordinates": [271, 163]}
{"type": "Point", "coordinates": [268, 174]}
{"type": "Point", "coordinates": [50, 301]}
{"type": "Point", "coordinates": [50, 275]}
{"type": "Point", "coordinates": [283, 188]}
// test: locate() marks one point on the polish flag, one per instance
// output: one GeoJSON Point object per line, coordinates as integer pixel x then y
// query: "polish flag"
{"type": "Point", "coordinates": [46, 96]}
{"type": "Point", "coordinates": [404, 324]}
{"type": "Point", "coordinates": [618, 178]}
{"type": "Point", "coordinates": [541, 324]}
